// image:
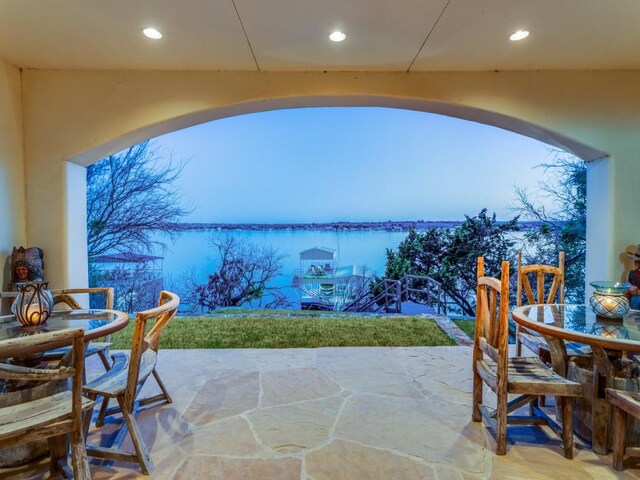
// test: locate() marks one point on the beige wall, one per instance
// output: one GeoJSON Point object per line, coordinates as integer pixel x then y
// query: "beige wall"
{"type": "Point", "coordinates": [82, 116]}
{"type": "Point", "coordinates": [12, 182]}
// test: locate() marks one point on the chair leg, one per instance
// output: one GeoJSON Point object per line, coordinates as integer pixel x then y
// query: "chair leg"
{"type": "Point", "coordinates": [86, 419]}
{"type": "Point", "coordinates": [103, 412]}
{"type": "Point", "coordinates": [58, 457]}
{"type": "Point", "coordinates": [533, 404]}
{"type": "Point", "coordinates": [142, 452]}
{"type": "Point", "coordinates": [162, 387]}
{"type": "Point", "coordinates": [501, 418]}
{"type": "Point", "coordinates": [79, 456]}
{"type": "Point", "coordinates": [476, 415]}
{"type": "Point", "coordinates": [619, 434]}
{"type": "Point", "coordinates": [518, 342]}
{"type": "Point", "coordinates": [567, 426]}
{"type": "Point", "coordinates": [105, 360]}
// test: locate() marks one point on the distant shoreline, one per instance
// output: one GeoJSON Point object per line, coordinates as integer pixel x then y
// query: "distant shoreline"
{"type": "Point", "coordinates": [388, 226]}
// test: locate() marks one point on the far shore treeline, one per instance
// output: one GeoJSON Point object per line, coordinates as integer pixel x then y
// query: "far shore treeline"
{"type": "Point", "coordinates": [387, 226]}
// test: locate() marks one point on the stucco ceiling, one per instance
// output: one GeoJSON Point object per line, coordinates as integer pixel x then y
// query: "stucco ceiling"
{"type": "Point", "coordinates": [291, 35]}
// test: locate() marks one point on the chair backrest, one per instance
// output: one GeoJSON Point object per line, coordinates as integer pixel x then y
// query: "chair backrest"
{"type": "Point", "coordinates": [163, 314]}
{"type": "Point", "coordinates": [555, 280]}
{"type": "Point", "coordinates": [66, 296]}
{"type": "Point", "coordinates": [492, 317]}
{"type": "Point", "coordinates": [42, 342]}
{"type": "Point", "coordinates": [6, 300]}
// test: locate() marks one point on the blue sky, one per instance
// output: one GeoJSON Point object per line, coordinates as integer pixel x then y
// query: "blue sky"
{"type": "Point", "coordinates": [349, 164]}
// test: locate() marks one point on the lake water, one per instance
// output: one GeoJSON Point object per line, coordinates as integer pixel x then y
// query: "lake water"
{"type": "Point", "coordinates": [192, 252]}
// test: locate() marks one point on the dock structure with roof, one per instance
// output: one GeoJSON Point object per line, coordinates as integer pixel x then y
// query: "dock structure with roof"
{"type": "Point", "coordinates": [137, 278]}
{"type": "Point", "coordinates": [323, 284]}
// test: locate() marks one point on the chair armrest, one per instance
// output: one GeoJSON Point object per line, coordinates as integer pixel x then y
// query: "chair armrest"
{"type": "Point", "coordinates": [15, 372]}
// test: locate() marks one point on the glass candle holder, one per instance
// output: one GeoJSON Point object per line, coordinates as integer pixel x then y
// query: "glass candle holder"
{"type": "Point", "coordinates": [34, 303]}
{"type": "Point", "coordinates": [610, 331]}
{"type": "Point", "coordinates": [609, 299]}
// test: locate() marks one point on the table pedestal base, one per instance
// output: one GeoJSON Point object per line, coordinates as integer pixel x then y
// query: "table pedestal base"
{"type": "Point", "coordinates": [592, 412]}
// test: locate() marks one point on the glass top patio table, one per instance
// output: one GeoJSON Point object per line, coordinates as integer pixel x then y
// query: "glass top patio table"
{"type": "Point", "coordinates": [577, 323]}
{"type": "Point", "coordinates": [96, 323]}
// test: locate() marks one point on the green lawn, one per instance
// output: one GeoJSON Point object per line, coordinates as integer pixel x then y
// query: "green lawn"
{"type": "Point", "coordinates": [304, 331]}
{"type": "Point", "coordinates": [467, 326]}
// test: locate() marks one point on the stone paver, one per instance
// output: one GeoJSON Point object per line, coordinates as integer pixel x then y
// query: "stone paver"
{"type": "Point", "coordinates": [294, 385]}
{"type": "Point", "coordinates": [373, 370]}
{"type": "Point", "coordinates": [231, 393]}
{"type": "Point", "coordinates": [218, 468]}
{"type": "Point", "coordinates": [427, 429]}
{"type": "Point", "coordinates": [231, 436]}
{"type": "Point", "coordinates": [330, 414]}
{"type": "Point", "coordinates": [347, 461]}
{"type": "Point", "coordinates": [297, 426]}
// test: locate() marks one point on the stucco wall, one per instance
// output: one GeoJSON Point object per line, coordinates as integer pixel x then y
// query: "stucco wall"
{"type": "Point", "coordinates": [82, 116]}
{"type": "Point", "coordinates": [12, 182]}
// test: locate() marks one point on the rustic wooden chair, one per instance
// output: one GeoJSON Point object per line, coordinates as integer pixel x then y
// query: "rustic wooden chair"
{"type": "Point", "coordinates": [66, 297]}
{"type": "Point", "coordinates": [624, 403]}
{"type": "Point", "coordinates": [527, 377]}
{"type": "Point", "coordinates": [127, 377]}
{"type": "Point", "coordinates": [554, 276]}
{"type": "Point", "coordinates": [532, 340]}
{"type": "Point", "coordinates": [51, 417]}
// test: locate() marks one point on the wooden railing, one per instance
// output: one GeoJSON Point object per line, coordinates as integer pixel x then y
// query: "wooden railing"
{"type": "Point", "coordinates": [394, 292]}
{"type": "Point", "coordinates": [390, 295]}
{"type": "Point", "coordinates": [315, 295]}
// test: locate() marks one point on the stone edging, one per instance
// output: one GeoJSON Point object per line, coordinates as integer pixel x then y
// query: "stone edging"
{"type": "Point", "coordinates": [451, 329]}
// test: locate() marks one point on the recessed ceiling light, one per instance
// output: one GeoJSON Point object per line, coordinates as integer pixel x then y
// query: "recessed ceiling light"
{"type": "Point", "coordinates": [152, 33]}
{"type": "Point", "coordinates": [337, 36]}
{"type": "Point", "coordinates": [519, 35]}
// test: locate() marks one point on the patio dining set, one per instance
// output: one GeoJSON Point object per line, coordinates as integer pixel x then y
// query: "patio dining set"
{"type": "Point", "coordinates": [577, 353]}
{"type": "Point", "coordinates": [45, 394]}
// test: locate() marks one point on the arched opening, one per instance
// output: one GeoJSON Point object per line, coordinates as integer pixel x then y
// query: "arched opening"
{"type": "Point", "coordinates": [579, 149]}
{"type": "Point", "coordinates": [505, 123]}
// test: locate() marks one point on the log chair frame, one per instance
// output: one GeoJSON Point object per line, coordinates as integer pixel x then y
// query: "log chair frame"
{"type": "Point", "coordinates": [126, 379]}
{"type": "Point", "coordinates": [68, 409]}
{"type": "Point", "coordinates": [527, 377]}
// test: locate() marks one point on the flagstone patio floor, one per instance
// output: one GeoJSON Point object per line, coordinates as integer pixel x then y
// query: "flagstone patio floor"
{"type": "Point", "coordinates": [331, 413]}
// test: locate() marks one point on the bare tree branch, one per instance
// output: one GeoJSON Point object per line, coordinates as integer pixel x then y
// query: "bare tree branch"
{"type": "Point", "coordinates": [129, 197]}
{"type": "Point", "coordinates": [244, 274]}
{"type": "Point", "coordinates": [564, 228]}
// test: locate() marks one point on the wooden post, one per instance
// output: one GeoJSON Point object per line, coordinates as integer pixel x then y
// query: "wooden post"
{"type": "Point", "coordinates": [503, 360]}
{"type": "Point", "coordinates": [519, 303]}
{"type": "Point", "coordinates": [386, 296]}
{"type": "Point", "coordinates": [600, 408]}
{"type": "Point", "coordinates": [619, 429]}
{"type": "Point", "coordinates": [561, 267]}
{"type": "Point", "coordinates": [476, 415]}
